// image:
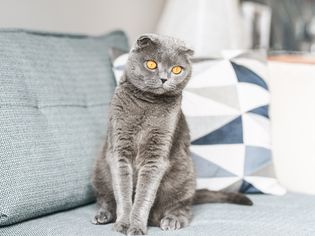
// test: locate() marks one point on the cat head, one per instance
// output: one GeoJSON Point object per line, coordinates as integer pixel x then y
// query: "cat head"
{"type": "Point", "coordinates": [159, 64]}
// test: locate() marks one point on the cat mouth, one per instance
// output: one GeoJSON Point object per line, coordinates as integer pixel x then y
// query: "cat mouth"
{"type": "Point", "coordinates": [169, 87]}
{"type": "Point", "coordinates": [161, 87]}
{"type": "Point", "coordinates": [153, 85]}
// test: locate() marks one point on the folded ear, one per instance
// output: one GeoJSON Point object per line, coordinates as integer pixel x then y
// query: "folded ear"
{"type": "Point", "coordinates": [146, 40]}
{"type": "Point", "coordinates": [187, 51]}
{"type": "Point", "coordinates": [190, 52]}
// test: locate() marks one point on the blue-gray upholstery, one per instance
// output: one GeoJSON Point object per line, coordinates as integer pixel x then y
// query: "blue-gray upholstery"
{"type": "Point", "coordinates": [54, 93]}
{"type": "Point", "coordinates": [289, 215]}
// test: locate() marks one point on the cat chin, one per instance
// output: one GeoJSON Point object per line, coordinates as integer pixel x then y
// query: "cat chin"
{"type": "Point", "coordinates": [168, 91]}
{"type": "Point", "coordinates": [168, 87]}
{"type": "Point", "coordinates": [159, 90]}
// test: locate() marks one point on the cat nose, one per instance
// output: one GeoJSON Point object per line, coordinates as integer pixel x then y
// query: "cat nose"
{"type": "Point", "coordinates": [163, 80]}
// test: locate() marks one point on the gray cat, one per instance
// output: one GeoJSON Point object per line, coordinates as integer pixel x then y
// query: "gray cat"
{"type": "Point", "coordinates": [145, 174]}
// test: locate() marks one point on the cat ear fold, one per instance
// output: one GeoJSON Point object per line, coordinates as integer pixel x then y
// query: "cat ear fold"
{"type": "Point", "coordinates": [145, 40]}
{"type": "Point", "coordinates": [188, 51]}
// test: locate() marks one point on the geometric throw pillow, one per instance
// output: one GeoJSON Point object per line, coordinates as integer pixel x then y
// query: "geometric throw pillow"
{"type": "Point", "coordinates": [226, 106]}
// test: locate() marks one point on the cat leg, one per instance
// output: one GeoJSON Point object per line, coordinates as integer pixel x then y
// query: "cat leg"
{"type": "Point", "coordinates": [122, 152]}
{"type": "Point", "coordinates": [149, 178]}
{"type": "Point", "coordinates": [152, 163]}
{"type": "Point", "coordinates": [106, 211]}
{"type": "Point", "coordinates": [122, 184]}
{"type": "Point", "coordinates": [176, 218]}
{"type": "Point", "coordinates": [102, 184]}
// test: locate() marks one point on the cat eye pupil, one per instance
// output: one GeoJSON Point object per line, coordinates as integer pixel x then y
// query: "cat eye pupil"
{"type": "Point", "coordinates": [176, 69]}
{"type": "Point", "coordinates": [151, 64]}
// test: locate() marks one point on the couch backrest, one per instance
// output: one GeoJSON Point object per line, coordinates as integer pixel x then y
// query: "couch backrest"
{"type": "Point", "coordinates": [54, 94]}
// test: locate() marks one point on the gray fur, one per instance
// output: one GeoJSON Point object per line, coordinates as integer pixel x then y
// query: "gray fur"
{"type": "Point", "coordinates": [145, 174]}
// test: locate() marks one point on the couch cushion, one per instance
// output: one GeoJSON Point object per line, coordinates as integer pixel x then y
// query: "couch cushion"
{"type": "Point", "coordinates": [292, 214]}
{"type": "Point", "coordinates": [54, 94]}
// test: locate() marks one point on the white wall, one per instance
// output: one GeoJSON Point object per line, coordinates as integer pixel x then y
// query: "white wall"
{"type": "Point", "coordinates": [293, 124]}
{"type": "Point", "coordinates": [82, 16]}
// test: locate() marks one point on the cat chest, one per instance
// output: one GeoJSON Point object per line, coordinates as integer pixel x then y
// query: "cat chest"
{"type": "Point", "coordinates": [139, 139]}
{"type": "Point", "coordinates": [151, 123]}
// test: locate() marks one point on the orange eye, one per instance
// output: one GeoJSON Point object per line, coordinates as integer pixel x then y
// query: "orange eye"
{"type": "Point", "coordinates": [176, 70]}
{"type": "Point", "coordinates": [151, 64]}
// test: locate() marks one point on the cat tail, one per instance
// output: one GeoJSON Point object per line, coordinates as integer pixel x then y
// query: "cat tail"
{"type": "Point", "coordinates": [207, 196]}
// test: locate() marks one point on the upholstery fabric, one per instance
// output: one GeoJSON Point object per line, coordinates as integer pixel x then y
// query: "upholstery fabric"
{"type": "Point", "coordinates": [226, 106]}
{"type": "Point", "coordinates": [54, 94]}
{"type": "Point", "coordinates": [290, 215]}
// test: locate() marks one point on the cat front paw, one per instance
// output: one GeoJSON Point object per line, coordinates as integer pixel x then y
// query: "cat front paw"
{"type": "Point", "coordinates": [170, 223]}
{"type": "Point", "coordinates": [121, 227]}
{"type": "Point", "coordinates": [136, 230]}
{"type": "Point", "coordinates": [102, 217]}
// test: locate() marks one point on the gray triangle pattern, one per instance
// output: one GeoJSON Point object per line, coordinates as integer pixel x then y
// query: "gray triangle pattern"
{"type": "Point", "coordinates": [235, 187]}
{"type": "Point", "coordinates": [266, 170]}
{"type": "Point", "coordinates": [227, 95]}
{"type": "Point", "coordinates": [206, 168]}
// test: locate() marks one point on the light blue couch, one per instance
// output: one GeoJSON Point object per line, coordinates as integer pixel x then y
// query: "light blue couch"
{"type": "Point", "coordinates": [293, 214]}
{"type": "Point", "coordinates": [55, 90]}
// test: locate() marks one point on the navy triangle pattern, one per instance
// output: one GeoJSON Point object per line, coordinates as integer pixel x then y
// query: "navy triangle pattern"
{"type": "Point", "coordinates": [248, 188]}
{"type": "Point", "coordinates": [230, 133]}
{"type": "Point", "coordinates": [245, 75]}
{"type": "Point", "coordinates": [263, 111]}
{"type": "Point", "coordinates": [208, 169]}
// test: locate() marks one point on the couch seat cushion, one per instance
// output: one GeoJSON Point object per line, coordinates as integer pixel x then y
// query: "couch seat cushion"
{"type": "Point", "coordinates": [292, 214]}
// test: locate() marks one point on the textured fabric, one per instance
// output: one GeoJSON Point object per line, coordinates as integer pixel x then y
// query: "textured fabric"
{"type": "Point", "coordinates": [290, 215]}
{"type": "Point", "coordinates": [54, 94]}
{"type": "Point", "coordinates": [226, 106]}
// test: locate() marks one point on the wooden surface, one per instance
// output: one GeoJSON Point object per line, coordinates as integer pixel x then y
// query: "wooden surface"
{"type": "Point", "coordinates": [301, 59]}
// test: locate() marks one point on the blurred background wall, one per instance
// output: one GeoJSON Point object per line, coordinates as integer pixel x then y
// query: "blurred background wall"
{"type": "Point", "coordinates": [292, 28]}
{"type": "Point", "coordinates": [82, 16]}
